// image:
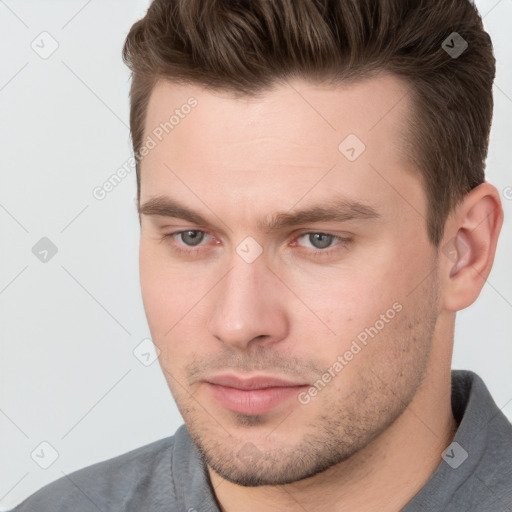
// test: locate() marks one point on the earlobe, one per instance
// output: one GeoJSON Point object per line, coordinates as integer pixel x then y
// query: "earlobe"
{"type": "Point", "coordinates": [471, 248]}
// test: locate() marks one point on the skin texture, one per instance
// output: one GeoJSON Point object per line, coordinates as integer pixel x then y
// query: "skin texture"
{"type": "Point", "coordinates": [373, 435]}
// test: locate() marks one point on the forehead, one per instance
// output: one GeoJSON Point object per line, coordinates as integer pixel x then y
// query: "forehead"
{"type": "Point", "coordinates": [296, 140]}
{"type": "Point", "coordinates": [297, 110]}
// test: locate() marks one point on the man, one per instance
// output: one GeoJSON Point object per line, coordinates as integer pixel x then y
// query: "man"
{"type": "Point", "coordinates": [313, 214]}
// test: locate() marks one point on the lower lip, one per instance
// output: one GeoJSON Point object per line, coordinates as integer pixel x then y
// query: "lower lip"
{"type": "Point", "coordinates": [253, 401]}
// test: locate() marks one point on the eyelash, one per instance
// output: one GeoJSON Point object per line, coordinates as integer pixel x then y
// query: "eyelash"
{"type": "Point", "coordinates": [318, 253]}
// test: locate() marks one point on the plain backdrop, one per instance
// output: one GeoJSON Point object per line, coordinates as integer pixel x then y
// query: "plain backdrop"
{"type": "Point", "coordinates": [70, 325]}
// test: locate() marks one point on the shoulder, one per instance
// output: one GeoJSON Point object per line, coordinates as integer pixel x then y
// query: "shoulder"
{"type": "Point", "coordinates": [476, 473]}
{"type": "Point", "coordinates": [492, 480]}
{"type": "Point", "coordinates": [488, 438]}
{"type": "Point", "coordinates": [141, 477]}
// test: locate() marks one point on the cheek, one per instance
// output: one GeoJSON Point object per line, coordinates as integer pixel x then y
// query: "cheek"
{"type": "Point", "coordinates": [347, 299]}
{"type": "Point", "coordinates": [362, 305]}
{"type": "Point", "coordinates": [174, 298]}
{"type": "Point", "coordinates": [167, 286]}
{"type": "Point", "coordinates": [164, 290]}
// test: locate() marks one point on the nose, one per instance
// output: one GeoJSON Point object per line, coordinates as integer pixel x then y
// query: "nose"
{"type": "Point", "coordinates": [249, 307]}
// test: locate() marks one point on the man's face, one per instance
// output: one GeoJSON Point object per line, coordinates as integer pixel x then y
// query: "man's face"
{"type": "Point", "coordinates": [289, 342]}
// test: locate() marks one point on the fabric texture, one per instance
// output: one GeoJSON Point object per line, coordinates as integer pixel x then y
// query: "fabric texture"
{"type": "Point", "coordinates": [168, 475]}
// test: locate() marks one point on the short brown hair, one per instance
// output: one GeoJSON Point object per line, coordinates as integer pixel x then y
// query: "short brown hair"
{"type": "Point", "coordinates": [247, 46]}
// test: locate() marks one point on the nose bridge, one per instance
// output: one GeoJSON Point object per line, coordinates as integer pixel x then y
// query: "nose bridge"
{"type": "Point", "coordinates": [242, 291]}
{"type": "Point", "coordinates": [247, 306]}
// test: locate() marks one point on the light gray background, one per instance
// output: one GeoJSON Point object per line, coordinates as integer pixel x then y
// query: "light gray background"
{"type": "Point", "coordinates": [69, 326]}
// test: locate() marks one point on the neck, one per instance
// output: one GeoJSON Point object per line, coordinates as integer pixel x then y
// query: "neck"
{"type": "Point", "coordinates": [383, 476]}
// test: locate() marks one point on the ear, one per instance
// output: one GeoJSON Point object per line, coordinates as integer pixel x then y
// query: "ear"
{"type": "Point", "coordinates": [469, 245]}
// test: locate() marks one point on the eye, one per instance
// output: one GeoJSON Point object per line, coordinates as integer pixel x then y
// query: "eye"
{"type": "Point", "coordinates": [187, 242]}
{"type": "Point", "coordinates": [319, 240]}
{"type": "Point", "coordinates": [191, 237]}
{"type": "Point", "coordinates": [322, 241]}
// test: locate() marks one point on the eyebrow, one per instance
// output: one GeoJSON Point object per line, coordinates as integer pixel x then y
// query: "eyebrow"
{"type": "Point", "coordinates": [337, 209]}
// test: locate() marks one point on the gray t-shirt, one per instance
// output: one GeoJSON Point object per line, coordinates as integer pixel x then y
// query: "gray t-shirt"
{"type": "Point", "coordinates": [169, 475]}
